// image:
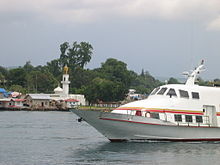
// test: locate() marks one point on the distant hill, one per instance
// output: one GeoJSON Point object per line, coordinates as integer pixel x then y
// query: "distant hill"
{"type": "Point", "coordinates": [163, 79]}
{"type": "Point", "coordinates": [12, 67]}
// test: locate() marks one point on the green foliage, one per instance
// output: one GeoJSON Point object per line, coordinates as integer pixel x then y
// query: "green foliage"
{"type": "Point", "coordinates": [144, 83]}
{"type": "Point", "coordinates": [55, 68]}
{"type": "Point", "coordinates": [28, 67]}
{"type": "Point", "coordinates": [201, 82]}
{"type": "Point", "coordinates": [109, 83]}
{"type": "Point", "coordinates": [18, 88]}
{"type": "Point", "coordinates": [104, 90]}
{"type": "Point", "coordinates": [81, 77]}
{"type": "Point", "coordinates": [115, 71]}
{"type": "Point", "coordinates": [42, 82]}
{"type": "Point", "coordinates": [4, 72]}
{"type": "Point", "coordinates": [76, 55]}
{"type": "Point", "coordinates": [2, 80]}
{"type": "Point", "coordinates": [173, 81]}
{"type": "Point", "coordinates": [17, 77]}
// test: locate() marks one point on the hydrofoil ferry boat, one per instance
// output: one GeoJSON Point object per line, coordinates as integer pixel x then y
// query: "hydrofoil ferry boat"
{"type": "Point", "coordinates": [172, 112]}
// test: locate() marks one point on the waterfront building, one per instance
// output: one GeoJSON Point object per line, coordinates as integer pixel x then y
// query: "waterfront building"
{"type": "Point", "coordinates": [16, 103]}
{"type": "Point", "coordinates": [38, 101]}
{"type": "Point", "coordinates": [4, 103]}
{"type": "Point", "coordinates": [63, 93]}
{"type": "Point", "coordinates": [71, 103]}
{"type": "Point", "coordinates": [60, 100]}
{"type": "Point", "coordinates": [11, 103]}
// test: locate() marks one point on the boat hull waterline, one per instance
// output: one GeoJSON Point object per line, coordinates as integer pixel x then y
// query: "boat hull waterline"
{"type": "Point", "coordinates": [122, 127]}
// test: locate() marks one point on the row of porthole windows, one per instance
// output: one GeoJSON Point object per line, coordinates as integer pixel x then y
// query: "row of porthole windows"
{"type": "Point", "coordinates": [148, 114]}
{"type": "Point", "coordinates": [172, 92]}
{"type": "Point", "coordinates": [188, 118]}
{"type": "Point", "coordinates": [177, 117]}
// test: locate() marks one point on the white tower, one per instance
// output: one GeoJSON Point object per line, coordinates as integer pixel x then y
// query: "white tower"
{"type": "Point", "coordinates": [65, 81]}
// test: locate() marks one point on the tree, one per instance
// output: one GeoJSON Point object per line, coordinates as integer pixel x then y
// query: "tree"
{"type": "Point", "coordinates": [28, 67]}
{"type": "Point", "coordinates": [81, 77]}
{"type": "Point", "coordinates": [77, 55]}
{"type": "Point", "coordinates": [55, 68]}
{"type": "Point", "coordinates": [105, 90]}
{"type": "Point", "coordinates": [18, 88]}
{"type": "Point", "coordinates": [173, 81]}
{"type": "Point", "coordinates": [43, 82]}
{"type": "Point", "coordinates": [2, 80]}
{"type": "Point", "coordinates": [116, 71]}
{"type": "Point", "coordinates": [17, 77]}
{"type": "Point", "coordinates": [3, 76]}
{"type": "Point", "coordinates": [202, 82]}
{"type": "Point", "coordinates": [63, 56]}
{"type": "Point", "coordinates": [144, 83]}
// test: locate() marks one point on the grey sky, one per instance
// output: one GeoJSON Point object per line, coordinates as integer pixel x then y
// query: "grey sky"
{"type": "Point", "coordinates": [164, 37]}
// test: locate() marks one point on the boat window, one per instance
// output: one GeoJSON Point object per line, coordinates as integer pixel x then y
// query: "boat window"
{"type": "Point", "coordinates": [155, 91]}
{"type": "Point", "coordinates": [195, 95]}
{"type": "Point", "coordinates": [171, 92]}
{"type": "Point", "coordinates": [138, 113]}
{"type": "Point", "coordinates": [188, 118]}
{"type": "Point", "coordinates": [184, 94]}
{"type": "Point", "coordinates": [178, 118]}
{"type": "Point", "coordinates": [199, 119]}
{"type": "Point", "coordinates": [155, 115]}
{"type": "Point", "coordinates": [162, 91]}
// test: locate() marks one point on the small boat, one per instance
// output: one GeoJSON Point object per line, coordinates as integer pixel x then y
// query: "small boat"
{"type": "Point", "coordinates": [172, 112]}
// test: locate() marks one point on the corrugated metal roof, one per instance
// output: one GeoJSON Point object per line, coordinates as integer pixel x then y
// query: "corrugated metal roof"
{"type": "Point", "coordinates": [40, 96]}
{"type": "Point", "coordinates": [5, 100]}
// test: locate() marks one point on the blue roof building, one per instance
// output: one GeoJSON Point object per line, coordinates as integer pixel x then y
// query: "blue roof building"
{"type": "Point", "coordinates": [4, 92]}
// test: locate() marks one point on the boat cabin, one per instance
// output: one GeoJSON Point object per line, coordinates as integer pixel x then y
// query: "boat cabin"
{"type": "Point", "coordinates": [181, 104]}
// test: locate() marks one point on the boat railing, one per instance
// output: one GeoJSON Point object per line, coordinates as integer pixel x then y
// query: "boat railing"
{"type": "Point", "coordinates": [166, 117]}
{"type": "Point", "coordinates": [204, 122]}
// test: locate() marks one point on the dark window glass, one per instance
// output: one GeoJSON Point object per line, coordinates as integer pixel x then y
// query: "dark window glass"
{"type": "Point", "coordinates": [162, 91]}
{"type": "Point", "coordinates": [188, 118]}
{"type": "Point", "coordinates": [138, 113]}
{"type": "Point", "coordinates": [195, 95]}
{"type": "Point", "coordinates": [171, 92]}
{"type": "Point", "coordinates": [155, 115]}
{"type": "Point", "coordinates": [184, 94]}
{"type": "Point", "coordinates": [155, 91]}
{"type": "Point", "coordinates": [199, 119]}
{"type": "Point", "coordinates": [178, 118]}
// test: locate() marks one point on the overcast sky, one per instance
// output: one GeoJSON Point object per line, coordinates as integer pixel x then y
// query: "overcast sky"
{"type": "Point", "coordinates": [164, 37]}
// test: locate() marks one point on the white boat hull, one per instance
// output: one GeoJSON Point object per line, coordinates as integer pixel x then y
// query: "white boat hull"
{"type": "Point", "coordinates": [121, 127]}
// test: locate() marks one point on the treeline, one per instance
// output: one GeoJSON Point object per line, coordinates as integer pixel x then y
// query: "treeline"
{"type": "Point", "coordinates": [110, 82]}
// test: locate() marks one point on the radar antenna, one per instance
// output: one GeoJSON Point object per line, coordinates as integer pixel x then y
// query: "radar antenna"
{"type": "Point", "coordinates": [193, 75]}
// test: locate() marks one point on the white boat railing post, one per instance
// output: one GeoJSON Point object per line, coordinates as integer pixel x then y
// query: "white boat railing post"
{"type": "Point", "coordinates": [165, 115]}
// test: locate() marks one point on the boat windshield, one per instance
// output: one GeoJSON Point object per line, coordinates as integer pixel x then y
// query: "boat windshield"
{"type": "Point", "coordinates": [171, 92]}
{"type": "Point", "coordinates": [155, 91]}
{"type": "Point", "coordinates": [162, 91]}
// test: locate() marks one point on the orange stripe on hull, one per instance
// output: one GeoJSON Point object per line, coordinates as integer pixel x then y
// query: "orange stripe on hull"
{"type": "Point", "coordinates": [162, 110]}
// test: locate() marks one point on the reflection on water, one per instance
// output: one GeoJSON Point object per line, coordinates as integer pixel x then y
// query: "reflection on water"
{"type": "Point", "coordinates": [57, 138]}
{"type": "Point", "coordinates": [149, 153]}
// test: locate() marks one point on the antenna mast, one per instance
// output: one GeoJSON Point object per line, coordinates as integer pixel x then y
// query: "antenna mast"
{"type": "Point", "coordinates": [192, 77]}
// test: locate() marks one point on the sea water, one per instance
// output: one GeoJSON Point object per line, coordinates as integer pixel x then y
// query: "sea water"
{"type": "Point", "coordinates": [56, 138]}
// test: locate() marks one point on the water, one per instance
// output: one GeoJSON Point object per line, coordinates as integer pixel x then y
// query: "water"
{"type": "Point", "coordinates": [56, 138]}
